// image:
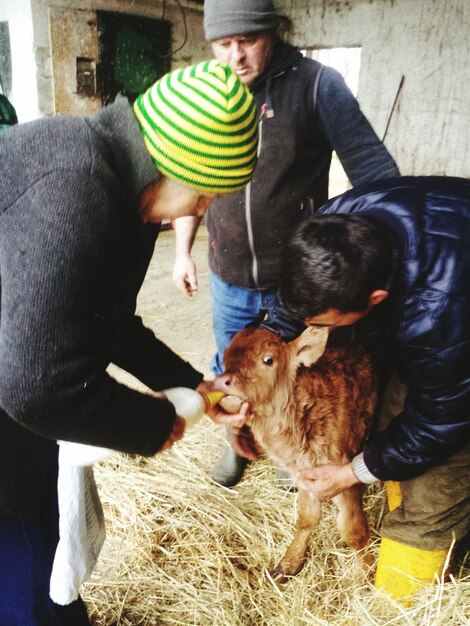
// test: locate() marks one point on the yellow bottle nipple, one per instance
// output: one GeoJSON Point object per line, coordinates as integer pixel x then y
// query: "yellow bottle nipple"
{"type": "Point", "coordinates": [211, 398]}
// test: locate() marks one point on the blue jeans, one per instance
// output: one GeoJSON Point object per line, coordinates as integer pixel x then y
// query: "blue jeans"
{"type": "Point", "coordinates": [235, 308]}
{"type": "Point", "coordinates": [27, 549]}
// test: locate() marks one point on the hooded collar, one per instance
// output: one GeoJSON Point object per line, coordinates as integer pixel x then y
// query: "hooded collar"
{"type": "Point", "coordinates": [284, 57]}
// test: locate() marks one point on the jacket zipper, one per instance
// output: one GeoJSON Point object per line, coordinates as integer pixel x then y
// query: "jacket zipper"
{"type": "Point", "coordinates": [249, 224]}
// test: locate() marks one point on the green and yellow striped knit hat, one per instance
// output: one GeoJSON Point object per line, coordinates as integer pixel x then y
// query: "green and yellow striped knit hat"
{"type": "Point", "coordinates": [200, 127]}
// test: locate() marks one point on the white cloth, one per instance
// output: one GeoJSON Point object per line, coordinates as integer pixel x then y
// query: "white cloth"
{"type": "Point", "coordinates": [81, 521]}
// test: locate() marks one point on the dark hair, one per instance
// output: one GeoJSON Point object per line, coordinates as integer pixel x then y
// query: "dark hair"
{"type": "Point", "coordinates": [334, 261]}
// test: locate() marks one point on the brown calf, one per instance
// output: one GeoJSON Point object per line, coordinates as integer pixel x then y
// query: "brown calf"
{"type": "Point", "coordinates": [310, 406]}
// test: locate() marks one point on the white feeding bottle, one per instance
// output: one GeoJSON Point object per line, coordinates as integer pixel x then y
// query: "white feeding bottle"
{"type": "Point", "coordinates": [191, 404]}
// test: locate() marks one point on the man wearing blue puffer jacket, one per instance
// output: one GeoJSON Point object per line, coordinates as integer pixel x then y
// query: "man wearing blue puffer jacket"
{"type": "Point", "coordinates": [392, 258]}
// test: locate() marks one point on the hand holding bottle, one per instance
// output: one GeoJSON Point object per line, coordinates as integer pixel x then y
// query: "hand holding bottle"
{"type": "Point", "coordinates": [176, 434]}
{"type": "Point", "coordinates": [228, 410]}
{"type": "Point", "coordinates": [191, 405]}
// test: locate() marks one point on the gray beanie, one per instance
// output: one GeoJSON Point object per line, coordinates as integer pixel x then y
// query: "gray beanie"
{"type": "Point", "coordinates": [223, 18]}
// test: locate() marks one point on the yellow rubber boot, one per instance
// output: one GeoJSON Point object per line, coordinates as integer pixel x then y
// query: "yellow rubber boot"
{"type": "Point", "coordinates": [403, 570]}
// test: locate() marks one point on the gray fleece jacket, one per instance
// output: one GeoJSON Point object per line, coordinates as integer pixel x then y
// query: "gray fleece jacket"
{"type": "Point", "coordinates": [73, 255]}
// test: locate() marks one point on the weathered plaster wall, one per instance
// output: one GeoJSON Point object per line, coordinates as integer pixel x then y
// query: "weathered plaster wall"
{"type": "Point", "coordinates": [427, 42]}
{"type": "Point", "coordinates": [73, 33]}
{"type": "Point", "coordinates": [194, 47]}
{"type": "Point", "coordinates": [29, 24]}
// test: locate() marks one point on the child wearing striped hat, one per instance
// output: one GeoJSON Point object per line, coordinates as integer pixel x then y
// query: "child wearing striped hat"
{"type": "Point", "coordinates": [82, 207]}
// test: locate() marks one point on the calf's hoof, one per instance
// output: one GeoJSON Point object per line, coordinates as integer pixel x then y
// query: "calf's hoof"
{"type": "Point", "coordinates": [367, 560]}
{"type": "Point", "coordinates": [280, 578]}
{"type": "Point", "coordinates": [229, 469]}
{"type": "Point", "coordinates": [285, 570]}
{"type": "Point", "coordinates": [357, 538]}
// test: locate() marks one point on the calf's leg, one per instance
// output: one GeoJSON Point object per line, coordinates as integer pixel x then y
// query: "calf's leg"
{"type": "Point", "coordinates": [308, 517]}
{"type": "Point", "coordinates": [352, 521]}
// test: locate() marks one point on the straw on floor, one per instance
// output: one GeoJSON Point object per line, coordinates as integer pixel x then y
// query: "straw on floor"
{"type": "Point", "coordinates": [183, 551]}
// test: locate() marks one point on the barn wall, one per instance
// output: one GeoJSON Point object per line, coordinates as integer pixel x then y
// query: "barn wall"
{"type": "Point", "coordinates": [424, 41]}
{"type": "Point", "coordinates": [427, 42]}
{"type": "Point", "coordinates": [191, 35]}
{"type": "Point", "coordinates": [72, 34]}
{"type": "Point", "coordinates": [29, 23]}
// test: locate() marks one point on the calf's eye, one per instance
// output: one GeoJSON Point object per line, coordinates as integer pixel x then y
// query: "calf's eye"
{"type": "Point", "coordinates": [268, 360]}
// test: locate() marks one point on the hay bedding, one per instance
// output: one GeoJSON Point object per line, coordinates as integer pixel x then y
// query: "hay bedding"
{"type": "Point", "coordinates": [182, 551]}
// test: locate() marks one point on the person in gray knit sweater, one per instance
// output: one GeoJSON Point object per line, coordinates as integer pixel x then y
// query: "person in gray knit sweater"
{"type": "Point", "coordinates": [81, 202]}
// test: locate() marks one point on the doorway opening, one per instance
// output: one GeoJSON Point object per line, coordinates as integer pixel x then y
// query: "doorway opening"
{"type": "Point", "coordinates": [134, 53]}
{"type": "Point", "coordinates": [347, 61]}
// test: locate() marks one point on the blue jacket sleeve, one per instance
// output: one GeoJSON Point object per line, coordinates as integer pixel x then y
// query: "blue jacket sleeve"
{"type": "Point", "coordinates": [435, 420]}
{"type": "Point", "coordinates": [362, 154]}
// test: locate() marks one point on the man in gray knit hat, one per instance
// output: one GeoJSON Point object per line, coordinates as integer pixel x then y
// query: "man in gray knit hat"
{"type": "Point", "coordinates": [306, 112]}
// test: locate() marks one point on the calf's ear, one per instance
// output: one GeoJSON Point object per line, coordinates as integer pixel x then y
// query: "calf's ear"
{"type": "Point", "coordinates": [308, 347]}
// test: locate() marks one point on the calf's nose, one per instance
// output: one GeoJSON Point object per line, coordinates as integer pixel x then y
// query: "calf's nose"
{"type": "Point", "coordinates": [222, 382]}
